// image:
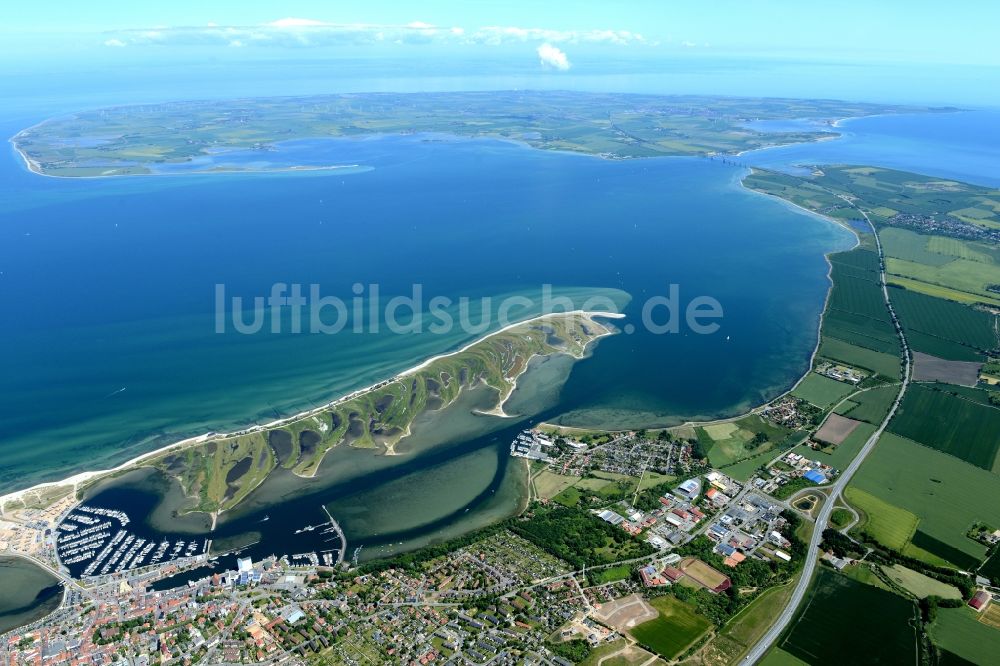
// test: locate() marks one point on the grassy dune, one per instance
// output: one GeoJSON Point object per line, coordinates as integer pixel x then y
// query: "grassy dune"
{"type": "Point", "coordinates": [218, 474]}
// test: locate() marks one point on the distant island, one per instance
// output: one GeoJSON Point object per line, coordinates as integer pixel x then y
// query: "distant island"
{"type": "Point", "coordinates": [148, 139]}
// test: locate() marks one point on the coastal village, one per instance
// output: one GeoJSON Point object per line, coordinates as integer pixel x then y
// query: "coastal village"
{"type": "Point", "coordinates": [502, 596]}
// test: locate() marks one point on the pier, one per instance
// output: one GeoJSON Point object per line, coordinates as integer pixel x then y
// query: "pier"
{"type": "Point", "coordinates": [340, 533]}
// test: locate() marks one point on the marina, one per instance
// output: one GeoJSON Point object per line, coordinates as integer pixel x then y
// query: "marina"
{"type": "Point", "coordinates": [95, 541]}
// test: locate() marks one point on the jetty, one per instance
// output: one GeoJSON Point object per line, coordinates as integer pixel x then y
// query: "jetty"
{"type": "Point", "coordinates": [335, 526]}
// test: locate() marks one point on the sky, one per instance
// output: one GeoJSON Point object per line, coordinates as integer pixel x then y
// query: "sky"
{"type": "Point", "coordinates": [938, 50]}
{"type": "Point", "coordinates": [915, 31]}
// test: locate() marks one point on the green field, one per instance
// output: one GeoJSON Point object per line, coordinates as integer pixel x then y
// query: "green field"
{"type": "Point", "coordinates": [677, 627]}
{"type": "Point", "coordinates": [970, 277]}
{"type": "Point", "coordinates": [747, 627]}
{"type": "Point", "coordinates": [925, 543]}
{"type": "Point", "coordinates": [744, 469]}
{"type": "Point", "coordinates": [944, 319]}
{"type": "Point", "coordinates": [911, 246]}
{"type": "Point", "coordinates": [920, 585]}
{"type": "Point", "coordinates": [886, 365]}
{"type": "Point", "coordinates": [838, 612]}
{"type": "Point", "coordinates": [888, 524]}
{"type": "Point", "coordinates": [965, 429]}
{"type": "Point", "coordinates": [958, 631]}
{"type": "Point", "coordinates": [610, 575]}
{"type": "Point", "coordinates": [871, 406]}
{"type": "Point", "coordinates": [841, 455]}
{"type": "Point", "coordinates": [732, 441]}
{"type": "Point", "coordinates": [947, 494]}
{"type": "Point", "coordinates": [821, 391]}
{"type": "Point", "coordinates": [991, 568]}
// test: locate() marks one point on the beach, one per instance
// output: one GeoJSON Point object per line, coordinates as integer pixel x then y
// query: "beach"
{"type": "Point", "coordinates": [88, 477]}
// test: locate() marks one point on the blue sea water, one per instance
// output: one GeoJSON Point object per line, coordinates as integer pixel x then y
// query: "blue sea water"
{"type": "Point", "coordinates": [963, 145]}
{"type": "Point", "coordinates": [109, 285]}
{"type": "Point", "coordinates": [111, 346]}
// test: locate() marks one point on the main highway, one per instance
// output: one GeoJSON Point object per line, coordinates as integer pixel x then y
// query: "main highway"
{"type": "Point", "coordinates": [812, 556]}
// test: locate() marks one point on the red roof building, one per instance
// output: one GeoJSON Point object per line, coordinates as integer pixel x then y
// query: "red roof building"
{"type": "Point", "coordinates": [979, 600]}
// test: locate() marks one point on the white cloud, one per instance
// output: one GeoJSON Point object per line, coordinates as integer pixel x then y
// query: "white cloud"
{"type": "Point", "coordinates": [551, 56]}
{"type": "Point", "coordinates": [305, 32]}
{"type": "Point", "coordinates": [291, 22]}
{"type": "Point", "coordinates": [117, 43]}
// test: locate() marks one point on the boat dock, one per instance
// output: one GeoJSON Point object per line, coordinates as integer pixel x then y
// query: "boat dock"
{"type": "Point", "coordinates": [335, 527]}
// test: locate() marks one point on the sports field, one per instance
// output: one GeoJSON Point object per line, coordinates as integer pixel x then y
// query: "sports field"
{"type": "Point", "coordinates": [949, 495]}
{"type": "Point", "coordinates": [702, 573]}
{"type": "Point", "coordinates": [676, 628]}
{"type": "Point", "coordinates": [821, 391]}
{"type": "Point", "coordinates": [965, 429]}
{"type": "Point", "coordinates": [958, 630]}
{"type": "Point", "coordinates": [837, 612]}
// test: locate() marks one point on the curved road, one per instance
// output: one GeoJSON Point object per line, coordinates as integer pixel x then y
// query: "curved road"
{"type": "Point", "coordinates": [812, 555]}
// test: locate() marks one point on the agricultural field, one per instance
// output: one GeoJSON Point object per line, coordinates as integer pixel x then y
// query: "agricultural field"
{"type": "Point", "coordinates": [886, 365]}
{"type": "Point", "coordinates": [935, 417]}
{"type": "Point", "coordinates": [991, 567]}
{"type": "Point", "coordinates": [933, 369]}
{"type": "Point", "coordinates": [946, 320]}
{"type": "Point", "coordinates": [962, 275]}
{"type": "Point", "coordinates": [959, 631]}
{"type": "Point", "coordinates": [888, 524]}
{"type": "Point", "coordinates": [835, 429]}
{"type": "Point", "coordinates": [870, 406]}
{"type": "Point", "coordinates": [855, 285]}
{"type": "Point", "coordinates": [932, 485]}
{"type": "Point", "coordinates": [837, 612]}
{"type": "Point", "coordinates": [920, 585]}
{"type": "Point", "coordinates": [911, 246]}
{"type": "Point", "coordinates": [677, 627]}
{"type": "Point", "coordinates": [822, 391]}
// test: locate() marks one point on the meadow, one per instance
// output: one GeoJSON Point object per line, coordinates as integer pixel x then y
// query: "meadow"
{"type": "Point", "coordinates": [954, 425]}
{"type": "Point", "coordinates": [676, 628]}
{"type": "Point", "coordinates": [732, 441]}
{"type": "Point", "coordinates": [821, 391]}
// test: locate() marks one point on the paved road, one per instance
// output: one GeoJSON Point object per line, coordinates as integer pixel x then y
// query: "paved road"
{"type": "Point", "coordinates": [812, 555]}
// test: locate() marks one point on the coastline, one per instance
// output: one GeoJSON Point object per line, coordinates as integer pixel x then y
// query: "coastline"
{"type": "Point", "coordinates": [87, 477]}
